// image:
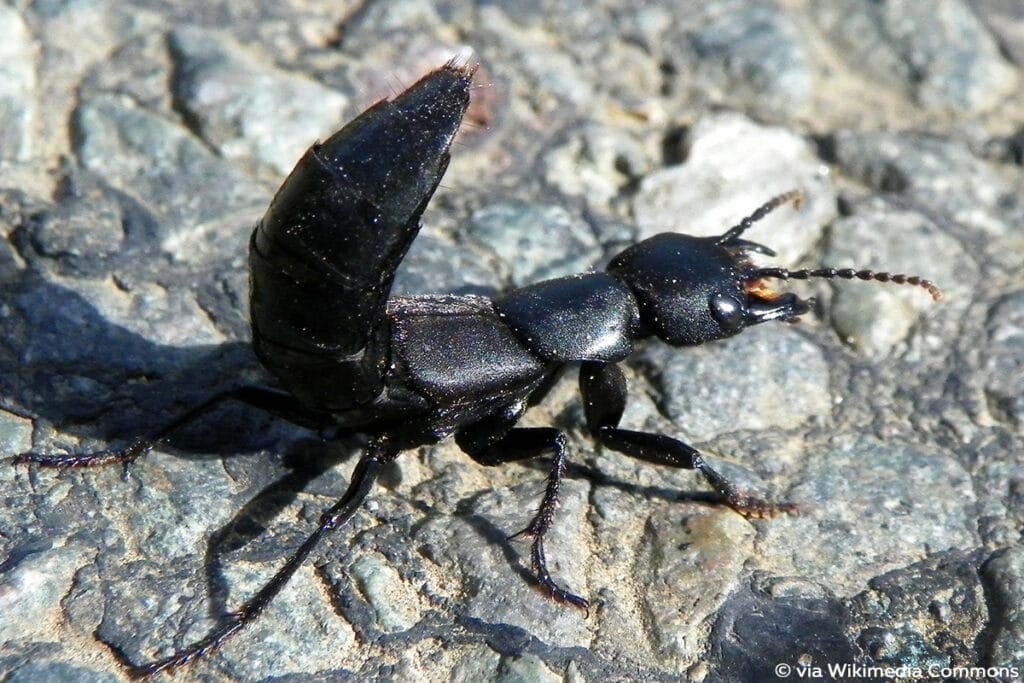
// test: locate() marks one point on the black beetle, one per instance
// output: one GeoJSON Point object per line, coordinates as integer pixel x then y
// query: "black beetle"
{"type": "Point", "coordinates": [409, 371]}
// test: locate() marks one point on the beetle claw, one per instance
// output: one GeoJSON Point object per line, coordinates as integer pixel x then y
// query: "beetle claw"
{"type": "Point", "coordinates": [757, 508]}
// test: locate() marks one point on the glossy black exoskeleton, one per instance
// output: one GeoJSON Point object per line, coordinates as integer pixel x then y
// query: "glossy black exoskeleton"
{"type": "Point", "coordinates": [409, 371]}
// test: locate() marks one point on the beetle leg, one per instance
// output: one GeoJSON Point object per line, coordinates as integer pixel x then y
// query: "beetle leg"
{"type": "Point", "coordinates": [271, 400]}
{"type": "Point", "coordinates": [603, 387]}
{"type": "Point", "coordinates": [378, 453]}
{"type": "Point", "coordinates": [494, 442]}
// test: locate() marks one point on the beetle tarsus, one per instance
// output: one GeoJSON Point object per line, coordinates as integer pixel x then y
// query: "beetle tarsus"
{"type": "Point", "coordinates": [550, 587]}
{"type": "Point", "coordinates": [541, 524]}
{"type": "Point", "coordinates": [758, 508]}
{"type": "Point", "coordinates": [751, 507]}
{"type": "Point", "coordinates": [110, 456]}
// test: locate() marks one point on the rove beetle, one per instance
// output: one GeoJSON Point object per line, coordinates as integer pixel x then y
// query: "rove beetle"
{"type": "Point", "coordinates": [351, 358]}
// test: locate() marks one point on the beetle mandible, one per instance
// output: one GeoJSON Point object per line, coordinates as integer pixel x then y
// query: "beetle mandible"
{"type": "Point", "coordinates": [350, 357]}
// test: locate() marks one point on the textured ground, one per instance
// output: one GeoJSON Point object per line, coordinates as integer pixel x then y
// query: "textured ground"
{"type": "Point", "coordinates": [140, 141]}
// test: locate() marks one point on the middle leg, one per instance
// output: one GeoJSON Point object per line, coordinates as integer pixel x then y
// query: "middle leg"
{"type": "Point", "coordinates": [494, 441]}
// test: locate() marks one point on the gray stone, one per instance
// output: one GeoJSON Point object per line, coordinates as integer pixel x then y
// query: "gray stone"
{"type": "Point", "coordinates": [1005, 18]}
{"type": "Point", "coordinates": [892, 514]}
{"type": "Point", "coordinates": [1004, 362]}
{"type": "Point", "coordinates": [18, 55]}
{"type": "Point", "coordinates": [435, 265]}
{"type": "Point", "coordinates": [1004, 576]}
{"type": "Point", "coordinates": [246, 110]}
{"type": "Point", "coordinates": [128, 194]}
{"type": "Point", "coordinates": [554, 71]}
{"type": "Point", "coordinates": [92, 230]}
{"type": "Point", "coordinates": [938, 51]}
{"type": "Point", "coordinates": [535, 242]}
{"type": "Point", "coordinates": [597, 163]}
{"type": "Point", "coordinates": [31, 596]}
{"type": "Point", "coordinates": [525, 669]}
{"type": "Point", "coordinates": [681, 590]}
{"type": "Point", "coordinates": [733, 166]}
{"type": "Point", "coordinates": [394, 603]}
{"type": "Point", "coordinates": [154, 312]}
{"type": "Point", "coordinates": [874, 318]}
{"type": "Point", "coordinates": [935, 176]}
{"type": "Point", "coordinates": [765, 378]}
{"type": "Point", "coordinates": [160, 165]}
{"type": "Point", "coordinates": [815, 636]}
{"type": "Point", "coordinates": [15, 433]}
{"type": "Point", "coordinates": [754, 50]}
{"type": "Point", "coordinates": [57, 672]}
{"type": "Point", "coordinates": [480, 665]}
{"type": "Point", "coordinates": [477, 547]}
{"type": "Point", "coordinates": [943, 601]}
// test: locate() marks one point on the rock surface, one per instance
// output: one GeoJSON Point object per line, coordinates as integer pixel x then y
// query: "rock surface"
{"type": "Point", "coordinates": [140, 142]}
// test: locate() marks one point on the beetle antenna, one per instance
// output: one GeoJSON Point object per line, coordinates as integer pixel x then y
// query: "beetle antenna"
{"type": "Point", "coordinates": [797, 197]}
{"type": "Point", "coordinates": [851, 274]}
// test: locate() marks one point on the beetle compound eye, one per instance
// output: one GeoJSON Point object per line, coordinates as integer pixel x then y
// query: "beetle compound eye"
{"type": "Point", "coordinates": [727, 311]}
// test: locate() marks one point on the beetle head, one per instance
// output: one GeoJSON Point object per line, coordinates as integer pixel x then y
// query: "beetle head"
{"type": "Point", "coordinates": [692, 290]}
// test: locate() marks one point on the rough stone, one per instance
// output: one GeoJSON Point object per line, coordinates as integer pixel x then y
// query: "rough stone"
{"type": "Point", "coordinates": [141, 143]}
{"type": "Point", "coordinates": [940, 52]}
{"type": "Point", "coordinates": [1004, 576]}
{"type": "Point", "coordinates": [763, 379]}
{"type": "Point", "coordinates": [873, 319]}
{"type": "Point", "coordinates": [246, 110]}
{"type": "Point", "coordinates": [934, 175]}
{"type": "Point", "coordinates": [567, 244]}
{"type": "Point", "coordinates": [755, 48]}
{"type": "Point", "coordinates": [17, 87]}
{"type": "Point", "coordinates": [1004, 362]}
{"type": "Point", "coordinates": [732, 167]}
{"type": "Point", "coordinates": [144, 156]}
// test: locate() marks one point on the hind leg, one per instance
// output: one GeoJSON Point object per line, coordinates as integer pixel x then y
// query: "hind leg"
{"type": "Point", "coordinates": [378, 453]}
{"type": "Point", "coordinates": [273, 401]}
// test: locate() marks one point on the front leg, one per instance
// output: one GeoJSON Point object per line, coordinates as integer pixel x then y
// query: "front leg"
{"type": "Point", "coordinates": [493, 441]}
{"type": "Point", "coordinates": [603, 387]}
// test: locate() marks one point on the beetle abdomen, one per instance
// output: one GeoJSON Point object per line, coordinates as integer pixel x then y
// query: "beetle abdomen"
{"type": "Point", "coordinates": [324, 255]}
